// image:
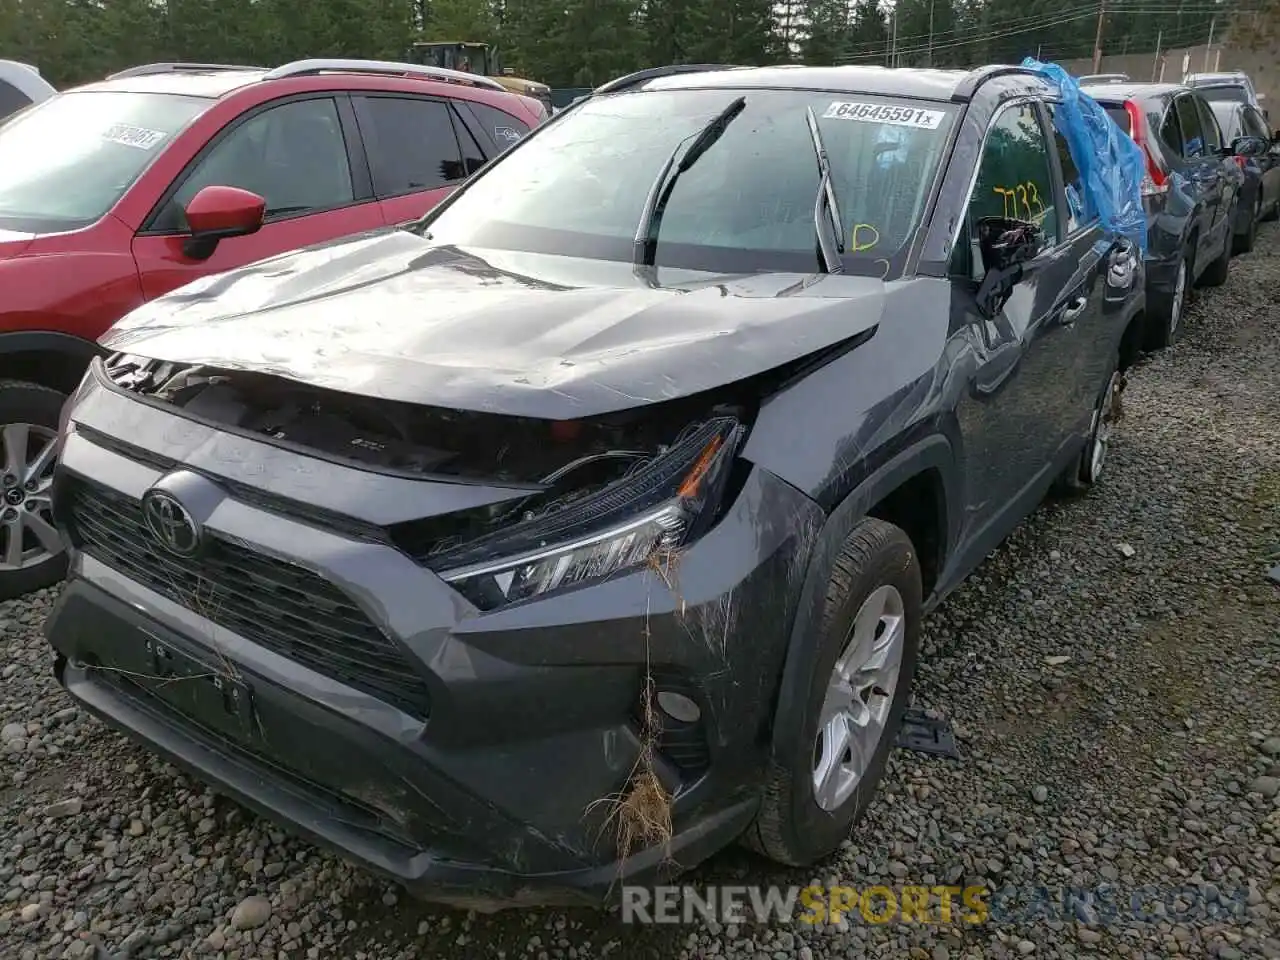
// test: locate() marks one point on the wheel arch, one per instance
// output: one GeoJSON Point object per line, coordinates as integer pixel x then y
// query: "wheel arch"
{"type": "Point", "coordinates": [918, 476]}
{"type": "Point", "coordinates": [51, 359]}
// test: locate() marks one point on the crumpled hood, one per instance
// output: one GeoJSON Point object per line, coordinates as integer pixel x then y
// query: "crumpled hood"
{"type": "Point", "coordinates": [390, 314]}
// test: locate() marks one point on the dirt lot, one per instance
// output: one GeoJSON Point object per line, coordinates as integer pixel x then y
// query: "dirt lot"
{"type": "Point", "coordinates": [1113, 673]}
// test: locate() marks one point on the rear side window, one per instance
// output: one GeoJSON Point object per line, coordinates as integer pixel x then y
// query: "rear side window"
{"type": "Point", "coordinates": [412, 145]}
{"type": "Point", "coordinates": [504, 128]}
{"type": "Point", "coordinates": [1070, 174]}
{"type": "Point", "coordinates": [1192, 145]}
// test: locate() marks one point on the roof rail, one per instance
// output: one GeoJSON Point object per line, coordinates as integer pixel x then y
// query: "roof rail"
{"type": "Point", "coordinates": [966, 88]}
{"type": "Point", "coordinates": [653, 73]}
{"type": "Point", "coordinates": [301, 68]}
{"type": "Point", "coordinates": [151, 69]}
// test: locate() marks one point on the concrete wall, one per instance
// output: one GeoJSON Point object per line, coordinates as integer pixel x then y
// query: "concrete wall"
{"type": "Point", "coordinates": [1262, 67]}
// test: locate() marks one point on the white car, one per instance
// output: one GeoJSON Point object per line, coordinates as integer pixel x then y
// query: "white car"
{"type": "Point", "coordinates": [20, 86]}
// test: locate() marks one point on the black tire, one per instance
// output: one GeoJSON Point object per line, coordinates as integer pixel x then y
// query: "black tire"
{"type": "Point", "coordinates": [22, 402]}
{"type": "Point", "coordinates": [1084, 472]}
{"type": "Point", "coordinates": [1273, 213]}
{"type": "Point", "coordinates": [1165, 320]}
{"type": "Point", "coordinates": [1243, 242]}
{"type": "Point", "coordinates": [1215, 274]}
{"type": "Point", "coordinates": [790, 827]}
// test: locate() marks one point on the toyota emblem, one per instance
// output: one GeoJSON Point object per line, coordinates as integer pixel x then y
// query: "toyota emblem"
{"type": "Point", "coordinates": [171, 524]}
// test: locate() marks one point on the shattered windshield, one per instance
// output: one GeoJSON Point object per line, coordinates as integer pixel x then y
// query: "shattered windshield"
{"type": "Point", "coordinates": [578, 187]}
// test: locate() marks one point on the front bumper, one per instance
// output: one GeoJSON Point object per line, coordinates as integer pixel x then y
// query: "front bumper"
{"type": "Point", "coordinates": [486, 788]}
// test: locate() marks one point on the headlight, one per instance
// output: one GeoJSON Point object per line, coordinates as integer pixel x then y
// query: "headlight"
{"type": "Point", "coordinates": [666, 503]}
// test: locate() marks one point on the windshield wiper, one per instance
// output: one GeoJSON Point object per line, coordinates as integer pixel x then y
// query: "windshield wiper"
{"type": "Point", "coordinates": [830, 244]}
{"type": "Point", "coordinates": [646, 242]}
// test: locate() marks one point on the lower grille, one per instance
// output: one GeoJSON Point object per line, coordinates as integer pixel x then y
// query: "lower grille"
{"type": "Point", "coordinates": [277, 605]}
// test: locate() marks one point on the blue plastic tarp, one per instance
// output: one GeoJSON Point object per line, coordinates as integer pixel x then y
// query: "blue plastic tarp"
{"type": "Point", "coordinates": [1111, 165]}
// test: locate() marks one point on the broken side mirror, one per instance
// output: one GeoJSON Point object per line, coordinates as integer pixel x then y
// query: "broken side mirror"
{"type": "Point", "coordinates": [218, 213]}
{"type": "Point", "coordinates": [1005, 246]}
{"type": "Point", "coordinates": [1005, 242]}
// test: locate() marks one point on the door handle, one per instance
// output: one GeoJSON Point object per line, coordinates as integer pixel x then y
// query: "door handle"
{"type": "Point", "coordinates": [997, 369]}
{"type": "Point", "coordinates": [1075, 307]}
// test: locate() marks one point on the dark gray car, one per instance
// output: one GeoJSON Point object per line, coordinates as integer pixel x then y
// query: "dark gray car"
{"type": "Point", "coordinates": [1260, 195]}
{"type": "Point", "coordinates": [1191, 192]}
{"type": "Point", "coordinates": [587, 525]}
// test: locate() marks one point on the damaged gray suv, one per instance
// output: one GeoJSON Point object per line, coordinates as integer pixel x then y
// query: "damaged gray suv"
{"type": "Point", "coordinates": [586, 526]}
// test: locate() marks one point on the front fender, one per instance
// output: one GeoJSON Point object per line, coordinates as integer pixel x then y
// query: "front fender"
{"type": "Point", "coordinates": [933, 452]}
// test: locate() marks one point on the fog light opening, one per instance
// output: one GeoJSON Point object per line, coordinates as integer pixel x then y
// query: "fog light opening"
{"type": "Point", "coordinates": [678, 707]}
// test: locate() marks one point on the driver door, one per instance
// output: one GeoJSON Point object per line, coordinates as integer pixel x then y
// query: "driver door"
{"type": "Point", "coordinates": [1012, 420]}
{"type": "Point", "coordinates": [297, 155]}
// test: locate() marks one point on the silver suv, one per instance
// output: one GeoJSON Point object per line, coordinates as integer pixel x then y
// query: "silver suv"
{"type": "Point", "coordinates": [1233, 85]}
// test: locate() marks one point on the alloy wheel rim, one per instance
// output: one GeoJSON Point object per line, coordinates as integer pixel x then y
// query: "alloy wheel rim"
{"type": "Point", "coordinates": [1179, 294]}
{"type": "Point", "coordinates": [859, 697]}
{"type": "Point", "coordinates": [28, 536]}
{"type": "Point", "coordinates": [1103, 418]}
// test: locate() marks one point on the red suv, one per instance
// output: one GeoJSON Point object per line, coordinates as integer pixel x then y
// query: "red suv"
{"type": "Point", "coordinates": [116, 192]}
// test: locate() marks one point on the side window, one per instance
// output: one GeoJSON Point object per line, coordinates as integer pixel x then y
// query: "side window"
{"type": "Point", "coordinates": [472, 156]}
{"type": "Point", "coordinates": [1014, 178]}
{"type": "Point", "coordinates": [1209, 125]}
{"type": "Point", "coordinates": [504, 128]}
{"type": "Point", "coordinates": [411, 143]}
{"type": "Point", "coordinates": [293, 156]}
{"type": "Point", "coordinates": [1171, 131]}
{"type": "Point", "coordinates": [1071, 182]}
{"type": "Point", "coordinates": [1189, 121]}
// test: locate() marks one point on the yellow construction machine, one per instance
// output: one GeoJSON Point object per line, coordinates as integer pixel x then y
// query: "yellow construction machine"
{"type": "Point", "coordinates": [479, 58]}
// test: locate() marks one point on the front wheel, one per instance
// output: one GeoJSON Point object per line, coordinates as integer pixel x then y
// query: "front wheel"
{"type": "Point", "coordinates": [32, 555]}
{"type": "Point", "coordinates": [858, 690]}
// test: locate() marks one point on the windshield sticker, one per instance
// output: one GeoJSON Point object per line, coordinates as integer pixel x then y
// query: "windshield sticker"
{"type": "Point", "coordinates": [882, 113]}
{"type": "Point", "coordinates": [509, 134]}
{"type": "Point", "coordinates": [131, 136]}
{"type": "Point", "coordinates": [865, 236]}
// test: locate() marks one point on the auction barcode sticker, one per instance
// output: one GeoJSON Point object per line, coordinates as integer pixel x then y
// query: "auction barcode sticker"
{"type": "Point", "coordinates": [131, 136]}
{"type": "Point", "coordinates": [882, 113]}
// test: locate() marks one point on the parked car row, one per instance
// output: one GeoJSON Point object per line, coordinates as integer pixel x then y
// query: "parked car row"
{"type": "Point", "coordinates": [617, 481]}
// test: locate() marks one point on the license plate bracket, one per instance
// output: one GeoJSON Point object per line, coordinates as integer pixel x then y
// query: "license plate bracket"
{"type": "Point", "coordinates": [211, 690]}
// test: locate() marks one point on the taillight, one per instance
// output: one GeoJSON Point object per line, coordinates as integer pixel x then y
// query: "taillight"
{"type": "Point", "coordinates": [1155, 182]}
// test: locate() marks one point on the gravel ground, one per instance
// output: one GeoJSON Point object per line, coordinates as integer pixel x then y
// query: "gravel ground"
{"type": "Point", "coordinates": [1113, 673]}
